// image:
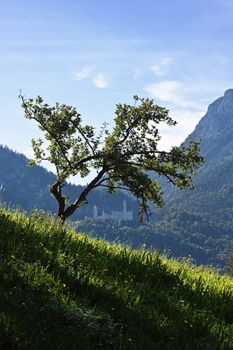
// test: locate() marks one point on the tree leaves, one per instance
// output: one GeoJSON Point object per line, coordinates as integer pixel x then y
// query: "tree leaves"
{"type": "Point", "coordinates": [122, 157]}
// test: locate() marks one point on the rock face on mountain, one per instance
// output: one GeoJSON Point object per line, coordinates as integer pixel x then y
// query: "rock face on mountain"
{"type": "Point", "coordinates": [218, 119]}
{"type": "Point", "coordinates": [215, 129]}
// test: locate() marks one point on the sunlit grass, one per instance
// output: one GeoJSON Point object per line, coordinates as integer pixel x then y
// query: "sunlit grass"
{"type": "Point", "coordinates": [63, 290]}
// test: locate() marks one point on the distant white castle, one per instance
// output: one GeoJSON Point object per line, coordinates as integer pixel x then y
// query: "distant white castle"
{"type": "Point", "coordinates": [2, 189]}
{"type": "Point", "coordinates": [124, 215]}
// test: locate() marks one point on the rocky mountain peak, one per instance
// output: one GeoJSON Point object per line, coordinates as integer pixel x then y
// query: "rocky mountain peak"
{"type": "Point", "coordinates": [228, 94]}
{"type": "Point", "coordinates": [218, 118]}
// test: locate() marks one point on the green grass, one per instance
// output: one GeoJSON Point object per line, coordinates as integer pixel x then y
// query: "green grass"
{"type": "Point", "coordinates": [63, 290]}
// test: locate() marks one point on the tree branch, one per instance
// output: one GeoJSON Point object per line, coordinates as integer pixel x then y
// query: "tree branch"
{"type": "Point", "coordinates": [85, 138]}
{"type": "Point", "coordinates": [87, 159]}
{"type": "Point", "coordinates": [115, 187]}
{"type": "Point", "coordinates": [56, 191]}
{"type": "Point", "coordinates": [127, 131]}
{"type": "Point", "coordinates": [151, 152]}
{"type": "Point", "coordinates": [101, 181]}
{"type": "Point", "coordinates": [82, 197]}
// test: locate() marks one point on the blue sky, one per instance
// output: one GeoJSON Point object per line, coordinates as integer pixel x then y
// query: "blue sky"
{"type": "Point", "coordinates": [94, 54]}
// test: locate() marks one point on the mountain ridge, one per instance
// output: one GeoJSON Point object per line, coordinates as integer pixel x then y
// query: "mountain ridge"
{"type": "Point", "coordinates": [218, 111]}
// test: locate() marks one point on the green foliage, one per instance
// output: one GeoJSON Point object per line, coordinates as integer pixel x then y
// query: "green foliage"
{"type": "Point", "coordinates": [63, 290]}
{"type": "Point", "coordinates": [122, 158]}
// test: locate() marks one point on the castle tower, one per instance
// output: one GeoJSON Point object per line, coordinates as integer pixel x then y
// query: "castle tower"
{"type": "Point", "coordinates": [124, 206]}
{"type": "Point", "coordinates": [95, 211]}
{"type": "Point", "coordinates": [2, 189]}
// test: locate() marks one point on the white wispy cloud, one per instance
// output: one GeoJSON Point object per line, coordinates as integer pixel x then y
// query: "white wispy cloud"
{"type": "Point", "coordinates": [161, 68]}
{"type": "Point", "coordinates": [167, 91]}
{"type": "Point", "coordinates": [171, 91]}
{"type": "Point", "coordinates": [100, 81]}
{"type": "Point", "coordinates": [83, 73]}
{"type": "Point", "coordinates": [184, 107]}
{"type": "Point", "coordinates": [174, 136]}
{"type": "Point", "coordinates": [136, 73]}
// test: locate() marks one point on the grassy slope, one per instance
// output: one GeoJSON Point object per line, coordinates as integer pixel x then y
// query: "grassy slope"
{"type": "Point", "coordinates": [60, 290]}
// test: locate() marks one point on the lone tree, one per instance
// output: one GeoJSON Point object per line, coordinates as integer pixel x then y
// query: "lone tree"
{"type": "Point", "coordinates": [123, 158]}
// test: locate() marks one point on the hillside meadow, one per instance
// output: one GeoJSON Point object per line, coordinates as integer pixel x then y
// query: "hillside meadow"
{"type": "Point", "coordinates": [63, 290]}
